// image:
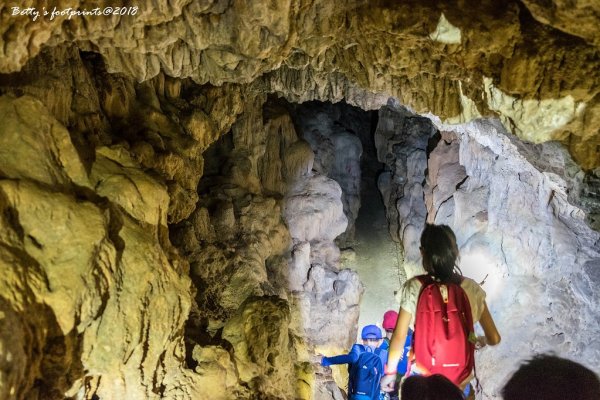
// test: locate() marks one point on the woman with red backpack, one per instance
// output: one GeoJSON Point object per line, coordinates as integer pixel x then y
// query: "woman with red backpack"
{"type": "Point", "coordinates": [442, 306]}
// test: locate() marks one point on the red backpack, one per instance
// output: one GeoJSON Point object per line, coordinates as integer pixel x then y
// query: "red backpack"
{"type": "Point", "coordinates": [441, 342]}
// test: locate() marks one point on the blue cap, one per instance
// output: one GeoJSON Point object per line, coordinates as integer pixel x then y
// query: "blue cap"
{"type": "Point", "coordinates": [371, 332]}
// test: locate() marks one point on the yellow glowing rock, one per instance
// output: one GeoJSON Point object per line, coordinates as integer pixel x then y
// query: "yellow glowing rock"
{"type": "Point", "coordinates": [532, 120]}
{"type": "Point", "coordinates": [468, 112]}
{"type": "Point", "coordinates": [445, 32]}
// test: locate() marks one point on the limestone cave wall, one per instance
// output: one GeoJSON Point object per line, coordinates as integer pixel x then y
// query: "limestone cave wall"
{"type": "Point", "coordinates": [516, 209]}
{"type": "Point", "coordinates": [165, 241]}
{"type": "Point", "coordinates": [458, 60]}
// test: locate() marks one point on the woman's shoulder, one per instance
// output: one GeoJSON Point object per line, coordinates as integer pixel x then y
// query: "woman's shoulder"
{"type": "Point", "coordinates": [411, 289]}
{"type": "Point", "coordinates": [409, 294]}
{"type": "Point", "coordinates": [469, 285]}
{"type": "Point", "coordinates": [413, 282]}
{"type": "Point", "coordinates": [468, 282]}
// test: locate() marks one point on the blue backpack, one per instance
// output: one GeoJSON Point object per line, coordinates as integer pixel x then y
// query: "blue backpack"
{"type": "Point", "coordinates": [366, 373]}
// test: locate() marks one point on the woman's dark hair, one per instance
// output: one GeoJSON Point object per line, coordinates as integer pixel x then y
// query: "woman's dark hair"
{"type": "Point", "coordinates": [434, 387]}
{"type": "Point", "coordinates": [440, 253]}
{"type": "Point", "coordinates": [548, 377]}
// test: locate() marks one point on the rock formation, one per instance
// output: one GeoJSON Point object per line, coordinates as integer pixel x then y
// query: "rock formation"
{"type": "Point", "coordinates": [169, 226]}
{"type": "Point", "coordinates": [338, 149]}
{"type": "Point", "coordinates": [519, 223]}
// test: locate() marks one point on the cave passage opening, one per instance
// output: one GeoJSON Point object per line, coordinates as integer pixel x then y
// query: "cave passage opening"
{"type": "Point", "coordinates": [366, 246]}
{"type": "Point", "coordinates": [393, 171]}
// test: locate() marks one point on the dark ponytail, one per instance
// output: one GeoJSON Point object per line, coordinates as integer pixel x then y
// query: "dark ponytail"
{"type": "Point", "coordinates": [440, 253]}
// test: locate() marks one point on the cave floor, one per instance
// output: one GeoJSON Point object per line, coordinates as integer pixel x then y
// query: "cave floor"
{"type": "Point", "coordinates": [377, 258]}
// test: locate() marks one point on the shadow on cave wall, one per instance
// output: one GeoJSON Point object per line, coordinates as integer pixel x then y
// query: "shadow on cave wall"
{"type": "Point", "coordinates": [47, 361]}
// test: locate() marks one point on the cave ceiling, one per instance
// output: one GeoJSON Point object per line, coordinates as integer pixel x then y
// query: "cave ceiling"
{"type": "Point", "coordinates": [533, 64]}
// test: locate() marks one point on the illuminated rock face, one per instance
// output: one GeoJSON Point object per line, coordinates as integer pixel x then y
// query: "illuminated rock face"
{"type": "Point", "coordinates": [88, 277]}
{"type": "Point", "coordinates": [334, 132]}
{"type": "Point", "coordinates": [520, 227]}
{"type": "Point", "coordinates": [100, 299]}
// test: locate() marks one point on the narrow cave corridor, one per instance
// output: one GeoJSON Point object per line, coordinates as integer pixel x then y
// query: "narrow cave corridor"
{"type": "Point", "coordinates": [356, 188]}
{"type": "Point", "coordinates": [377, 258]}
{"type": "Point", "coordinates": [366, 245]}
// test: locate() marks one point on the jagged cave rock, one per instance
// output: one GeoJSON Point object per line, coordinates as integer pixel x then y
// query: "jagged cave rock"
{"type": "Point", "coordinates": [337, 150]}
{"type": "Point", "coordinates": [401, 139]}
{"type": "Point", "coordinates": [99, 293]}
{"type": "Point", "coordinates": [520, 230]}
{"type": "Point", "coordinates": [314, 214]}
{"type": "Point", "coordinates": [519, 60]}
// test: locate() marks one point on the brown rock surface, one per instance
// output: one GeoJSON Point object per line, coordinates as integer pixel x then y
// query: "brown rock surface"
{"type": "Point", "coordinates": [87, 287]}
{"type": "Point", "coordinates": [328, 52]}
{"type": "Point", "coordinates": [43, 140]}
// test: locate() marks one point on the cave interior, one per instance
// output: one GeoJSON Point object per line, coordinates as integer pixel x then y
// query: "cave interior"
{"type": "Point", "coordinates": [199, 199]}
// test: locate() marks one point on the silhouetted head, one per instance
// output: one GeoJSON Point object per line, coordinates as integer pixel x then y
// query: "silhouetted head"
{"type": "Point", "coordinates": [434, 387]}
{"type": "Point", "coordinates": [440, 252]}
{"type": "Point", "coordinates": [547, 377]}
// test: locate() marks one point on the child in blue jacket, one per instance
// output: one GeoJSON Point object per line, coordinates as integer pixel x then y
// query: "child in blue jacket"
{"type": "Point", "coordinates": [365, 370]}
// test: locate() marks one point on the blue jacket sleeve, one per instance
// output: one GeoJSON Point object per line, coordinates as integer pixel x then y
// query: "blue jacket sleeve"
{"type": "Point", "coordinates": [349, 358]}
{"type": "Point", "coordinates": [403, 363]}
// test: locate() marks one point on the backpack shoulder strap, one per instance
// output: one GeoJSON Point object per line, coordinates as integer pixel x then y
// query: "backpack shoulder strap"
{"type": "Point", "coordinates": [425, 279]}
{"type": "Point", "coordinates": [361, 348]}
{"type": "Point", "coordinates": [469, 331]}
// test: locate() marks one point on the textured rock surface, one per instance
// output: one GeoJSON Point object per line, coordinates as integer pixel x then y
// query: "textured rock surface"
{"type": "Point", "coordinates": [312, 50]}
{"type": "Point", "coordinates": [521, 229]}
{"type": "Point", "coordinates": [544, 241]}
{"type": "Point", "coordinates": [264, 347]}
{"type": "Point", "coordinates": [164, 136]}
{"type": "Point", "coordinates": [246, 261]}
{"type": "Point", "coordinates": [102, 292]}
{"type": "Point", "coordinates": [324, 297]}
{"type": "Point", "coordinates": [114, 327]}
{"type": "Point", "coordinates": [334, 133]}
{"type": "Point", "coordinates": [579, 20]}
{"type": "Point", "coordinates": [313, 210]}
{"type": "Point", "coordinates": [402, 141]}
